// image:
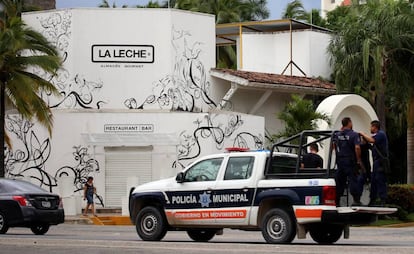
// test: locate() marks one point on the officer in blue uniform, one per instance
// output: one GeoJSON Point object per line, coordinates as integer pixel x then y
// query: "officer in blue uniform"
{"type": "Point", "coordinates": [348, 158]}
{"type": "Point", "coordinates": [379, 148]}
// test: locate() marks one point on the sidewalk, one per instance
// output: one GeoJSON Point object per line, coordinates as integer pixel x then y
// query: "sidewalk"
{"type": "Point", "coordinates": [102, 219]}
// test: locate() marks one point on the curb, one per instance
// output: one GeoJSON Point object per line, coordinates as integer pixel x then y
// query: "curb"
{"type": "Point", "coordinates": [400, 225]}
{"type": "Point", "coordinates": [102, 220]}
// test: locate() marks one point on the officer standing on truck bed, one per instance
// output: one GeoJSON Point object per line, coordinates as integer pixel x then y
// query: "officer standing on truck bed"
{"type": "Point", "coordinates": [348, 158]}
{"type": "Point", "coordinates": [381, 165]}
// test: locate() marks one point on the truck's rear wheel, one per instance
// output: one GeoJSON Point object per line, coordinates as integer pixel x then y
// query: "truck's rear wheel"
{"type": "Point", "coordinates": [201, 235]}
{"type": "Point", "coordinates": [326, 233]}
{"type": "Point", "coordinates": [278, 226]}
{"type": "Point", "coordinates": [150, 224]}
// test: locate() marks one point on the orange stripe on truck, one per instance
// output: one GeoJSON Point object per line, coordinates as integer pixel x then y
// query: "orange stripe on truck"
{"type": "Point", "coordinates": [208, 214]}
{"type": "Point", "coordinates": [308, 213]}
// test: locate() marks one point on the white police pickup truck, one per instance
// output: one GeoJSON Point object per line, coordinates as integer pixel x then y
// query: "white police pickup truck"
{"type": "Point", "coordinates": [250, 190]}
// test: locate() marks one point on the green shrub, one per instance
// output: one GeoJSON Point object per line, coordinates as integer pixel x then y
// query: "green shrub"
{"type": "Point", "coordinates": [402, 196]}
{"type": "Point", "coordinates": [400, 214]}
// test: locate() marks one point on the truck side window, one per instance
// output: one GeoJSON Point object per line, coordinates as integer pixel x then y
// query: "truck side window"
{"type": "Point", "coordinates": [239, 168]}
{"type": "Point", "coordinates": [206, 170]}
{"type": "Point", "coordinates": [283, 165]}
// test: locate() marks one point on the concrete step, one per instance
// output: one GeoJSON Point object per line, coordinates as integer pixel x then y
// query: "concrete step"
{"type": "Point", "coordinates": [112, 219]}
{"type": "Point", "coordinates": [106, 210]}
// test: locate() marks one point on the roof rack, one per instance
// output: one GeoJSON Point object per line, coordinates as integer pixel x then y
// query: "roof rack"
{"type": "Point", "coordinates": [237, 149]}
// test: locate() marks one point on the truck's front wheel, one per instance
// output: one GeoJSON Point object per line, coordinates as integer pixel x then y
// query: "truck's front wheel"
{"type": "Point", "coordinates": [151, 224]}
{"type": "Point", "coordinates": [326, 233]}
{"type": "Point", "coordinates": [278, 226]}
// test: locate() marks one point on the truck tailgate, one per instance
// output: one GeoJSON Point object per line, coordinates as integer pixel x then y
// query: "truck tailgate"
{"type": "Point", "coordinates": [356, 215]}
{"type": "Point", "coordinates": [366, 209]}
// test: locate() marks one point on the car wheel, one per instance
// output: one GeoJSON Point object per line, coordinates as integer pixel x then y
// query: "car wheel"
{"type": "Point", "coordinates": [278, 226]}
{"type": "Point", "coordinates": [150, 224]}
{"type": "Point", "coordinates": [201, 235]}
{"type": "Point", "coordinates": [40, 229]}
{"type": "Point", "coordinates": [3, 224]}
{"type": "Point", "coordinates": [326, 233]}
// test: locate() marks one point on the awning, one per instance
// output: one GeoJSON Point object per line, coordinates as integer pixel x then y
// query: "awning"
{"type": "Point", "coordinates": [274, 82]}
{"type": "Point", "coordinates": [130, 139]}
{"type": "Point", "coordinates": [228, 33]}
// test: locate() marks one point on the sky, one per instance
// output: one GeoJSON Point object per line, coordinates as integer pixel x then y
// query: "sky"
{"type": "Point", "coordinates": [276, 7]}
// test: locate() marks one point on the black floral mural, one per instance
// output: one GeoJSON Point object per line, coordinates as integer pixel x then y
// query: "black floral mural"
{"type": "Point", "coordinates": [190, 147]}
{"type": "Point", "coordinates": [84, 167]}
{"type": "Point", "coordinates": [188, 88]}
{"type": "Point", "coordinates": [31, 159]}
{"type": "Point", "coordinates": [77, 90]}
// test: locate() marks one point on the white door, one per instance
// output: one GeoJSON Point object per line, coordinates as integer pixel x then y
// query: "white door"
{"type": "Point", "coordinates": [122, 163]}
{"type": "Point", "coordinates": [191, 200]}
{"type": "Point", "coordinates": [233, 194]}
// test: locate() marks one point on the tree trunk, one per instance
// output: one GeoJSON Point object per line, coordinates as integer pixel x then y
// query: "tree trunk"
{"type": "Point", "coordinates": [410, 141]}
{"type": "Point", "coordinates": [380, 108]}
{"type": "Point", "coordinates": [2, 132]}
{"type": "Point", "coordinates": [380, 100]}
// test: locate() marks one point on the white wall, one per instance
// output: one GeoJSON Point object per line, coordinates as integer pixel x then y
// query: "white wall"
{"type": "Point", "coordinates": [271, 53]}
{"type": "Point", "coordinates": [37, 155]}
{"type": "Point", "coordinates": [183, 51]}
{"type": "Point", "coordinates": [244, 100]}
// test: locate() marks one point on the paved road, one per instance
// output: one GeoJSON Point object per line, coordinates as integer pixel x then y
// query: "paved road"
{"type": "Point", "coordinates": [93, 239]}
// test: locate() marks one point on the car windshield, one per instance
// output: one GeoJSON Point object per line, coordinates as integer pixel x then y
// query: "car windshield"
{"type": "Point", "coordinates": [16, 186]}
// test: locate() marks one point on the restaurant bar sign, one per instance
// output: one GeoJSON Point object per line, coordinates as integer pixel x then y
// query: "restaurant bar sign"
{"type": "Point", "coordinates": [128, 128]}
{"type": "Point", "coordinates": [102, 53]}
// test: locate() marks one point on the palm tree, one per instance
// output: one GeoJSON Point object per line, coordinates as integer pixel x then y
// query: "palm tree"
{"type": "Point", "coordinates": [299, 115]}
{"type": "Point", "coordinates": [255, 10]}
{"type": "Point", "coordinates": [105, 4]}
{"type": "Point", "coordinates": [373, 55]}
{"type": "Point", "coordinates": [295, 10]}
{"type": "Point", "coordinates": [228, 11]}
{"type": "Point", "coordinates": [334, 18]}
{"type": "Point", "coordinates": [22, 48]}
{"type": "Point", "coordinates": [314, 18]}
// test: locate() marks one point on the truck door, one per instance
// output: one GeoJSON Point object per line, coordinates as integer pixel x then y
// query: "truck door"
{"type": "Point", "coordinates": [191, 200]}
{"type": "Point", "coordinates": [234, 191]}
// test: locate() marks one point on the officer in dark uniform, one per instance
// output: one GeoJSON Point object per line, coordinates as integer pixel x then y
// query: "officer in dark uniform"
{"type": "Point", "coordinates": [379, 148]}
{"type": "Point", "coordinates": [312, 159]}
{"type": "Point", "coordinates": [348, 158]}
{"type": "Point", "coordinates": [365, 154]}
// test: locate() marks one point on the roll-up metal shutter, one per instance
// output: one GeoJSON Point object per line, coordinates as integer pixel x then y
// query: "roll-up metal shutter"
{"type": "Point", "coordinates": [122, 163]}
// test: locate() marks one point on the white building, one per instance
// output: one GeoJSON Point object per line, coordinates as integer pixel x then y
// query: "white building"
{"type": "Point", "coordinates": [329, 5]}
{"type": "Point", "coordinates": [141, 97]}
{"type": "Point", "coordinates": [265, 50]}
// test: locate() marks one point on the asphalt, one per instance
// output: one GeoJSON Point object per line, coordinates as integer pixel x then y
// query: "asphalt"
{"type": "Point", "coordinates": [117, 219]}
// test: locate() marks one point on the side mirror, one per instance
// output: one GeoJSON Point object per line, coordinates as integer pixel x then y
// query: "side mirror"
{"type": "Point", "coordinates": [180, 177]}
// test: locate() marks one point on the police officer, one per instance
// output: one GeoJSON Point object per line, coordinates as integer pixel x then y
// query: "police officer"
{"type": "Point", "coordinates": [348, 158]}
{"type": "Point", "coordinates": [380, 158]}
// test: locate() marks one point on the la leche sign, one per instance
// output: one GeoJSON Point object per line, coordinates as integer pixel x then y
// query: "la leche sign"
{"type": "Point", "coordinates": [104, 53]}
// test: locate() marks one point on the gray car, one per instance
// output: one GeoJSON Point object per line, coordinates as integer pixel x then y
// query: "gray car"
{"type": "Point", "coordinates": [23, 204]}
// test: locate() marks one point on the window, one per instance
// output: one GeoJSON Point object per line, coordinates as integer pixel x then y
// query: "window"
{"type": "Point", "coordinates": [283, 164]}
{"type": "Point", "coordinates": [239, 168]}
{"type": "Point", "coordinates": [206, 170]}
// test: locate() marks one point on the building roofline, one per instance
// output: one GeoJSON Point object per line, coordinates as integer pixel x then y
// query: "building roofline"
{"type": "Point", "coordinates": [266, 81]}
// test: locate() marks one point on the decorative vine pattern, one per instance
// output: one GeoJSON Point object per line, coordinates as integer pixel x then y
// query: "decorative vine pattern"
{"type": "Point", "coordinates": [187, 89]}
{"type": "Point", "coordinates": [190, 147]}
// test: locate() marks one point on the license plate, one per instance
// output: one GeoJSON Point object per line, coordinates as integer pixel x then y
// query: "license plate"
{"type": "Point", "coordinates": [46, 204]}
